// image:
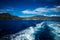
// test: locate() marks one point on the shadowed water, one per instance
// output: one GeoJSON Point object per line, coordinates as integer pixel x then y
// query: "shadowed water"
{"type": "Point", "coordinates": [44, 31]}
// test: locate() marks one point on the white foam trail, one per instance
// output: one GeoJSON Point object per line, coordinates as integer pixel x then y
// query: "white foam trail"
{"type": "Point", "coordinates": [28, 33]}
{"type": "Point", "coordinates": [38, 26]}
{"type": "Point", "coordinates": [56, 29]}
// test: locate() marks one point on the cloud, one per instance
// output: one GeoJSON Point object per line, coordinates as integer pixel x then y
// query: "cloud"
{"type": "Point", "coordinates": [7, 10]}
{"type": "Point", "coordinates": [58, 8]}
{"type": "Point", "coordinates": [36, 11]}
{"type": "Point", "coordinates": [28, 12]}
{"type": "Point", "coordinates": [43, 11]}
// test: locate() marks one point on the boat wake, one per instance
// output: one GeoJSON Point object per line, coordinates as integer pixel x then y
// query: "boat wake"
{"type": "Point", "coordinates": [42, 31]}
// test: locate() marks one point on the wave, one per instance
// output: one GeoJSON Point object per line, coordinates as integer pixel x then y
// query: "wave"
{"type": "Point", "coordinates": [46, 30]}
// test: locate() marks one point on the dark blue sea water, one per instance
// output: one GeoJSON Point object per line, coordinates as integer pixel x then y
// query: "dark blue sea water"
{"type": "Point", "coordinates": [13, 26]}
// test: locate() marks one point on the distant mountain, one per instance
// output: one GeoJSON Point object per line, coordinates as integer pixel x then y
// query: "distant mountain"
{"type": "Point", "coordinates": [7, 16]}
{"type": "Point", "coordinates": [40, 17]}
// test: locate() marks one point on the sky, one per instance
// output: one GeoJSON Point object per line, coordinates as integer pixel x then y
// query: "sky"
{"type": "Point", "coordinates": [28, 8]}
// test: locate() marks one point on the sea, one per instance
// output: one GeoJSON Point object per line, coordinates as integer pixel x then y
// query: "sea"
{"type": "Point", "coordinates": [15, 26]}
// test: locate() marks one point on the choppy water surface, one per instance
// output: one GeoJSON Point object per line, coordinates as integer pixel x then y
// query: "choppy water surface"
{"type": "Point", "coordinates": [34, 29]}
